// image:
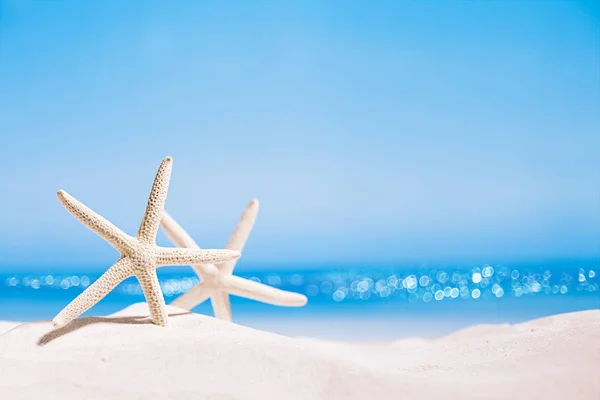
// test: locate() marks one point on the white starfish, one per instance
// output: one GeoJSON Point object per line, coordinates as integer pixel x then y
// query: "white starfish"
{"type": "Point", "coordinates": [140, 256]}
{"type": "Point", "coordinates": [217, 280]}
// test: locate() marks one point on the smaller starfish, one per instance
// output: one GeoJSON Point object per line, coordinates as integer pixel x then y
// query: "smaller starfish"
{"type": "Point", "coordinates": [217, 280]}
{"type": "Point", "coordinates": [140, 256]}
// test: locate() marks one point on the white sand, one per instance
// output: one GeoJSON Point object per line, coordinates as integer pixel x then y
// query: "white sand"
{"type": "Point", "coordinates": [7, 326]}
{"type": "Point", "coordinates": [203, 358]}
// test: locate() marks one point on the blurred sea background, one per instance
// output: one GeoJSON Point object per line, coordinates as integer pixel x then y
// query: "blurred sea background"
{"type": "Point", "coordinates": [351, 303]}
{"type": "Point", "coordinates": [421, 166]}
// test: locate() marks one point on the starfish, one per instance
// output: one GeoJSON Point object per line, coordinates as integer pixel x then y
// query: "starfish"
{"type": "Point", "coordinates": [140, 256]}
{"type": "Point", "coordinates": [217, 280]}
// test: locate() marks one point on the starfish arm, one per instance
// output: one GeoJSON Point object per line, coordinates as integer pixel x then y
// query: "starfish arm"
{"type": "Point", "coordinates": [260, 292]}
{"type": "Point", "coordinates": [119, 271]}
{"type": "Point", "coordinates": [156, 203]}
{"type": "Point", "coordinates": [100, 225]}
{"type": "Point", "coordinates": [154, 297]}
{"type": "Point", "coordinates": [238, 239]}
{"type": "Point", "coordinates": [221, 305]}
{"type": "Point", "coordinates": [176, 233]}
{"type": "Point", "coordinates": [193, 297]}
{"type": "Point", "coordinates": [173, 256]}
{"type": "Point", "coordinates": [181, 238]}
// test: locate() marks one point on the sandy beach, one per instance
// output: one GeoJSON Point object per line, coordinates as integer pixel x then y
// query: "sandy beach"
{"type": "Point", "coordinates": [123, 355]}
{"type": "Point", "coordinates": [7, 325]}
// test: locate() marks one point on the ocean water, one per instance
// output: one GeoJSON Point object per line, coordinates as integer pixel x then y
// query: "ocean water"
{"type": "Point", "coordinates": [349, 302]}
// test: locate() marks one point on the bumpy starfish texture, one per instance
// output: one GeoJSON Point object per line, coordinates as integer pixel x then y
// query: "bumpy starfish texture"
{"type": "Point", "coordinates": [217, 281]}
{"type": "Point", "coordinates": [140, 256]}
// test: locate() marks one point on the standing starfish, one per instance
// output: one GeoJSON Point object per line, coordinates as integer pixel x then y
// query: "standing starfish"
{"type": "Point", "coordinates": [140, 256]}
{"type": "Point", "coordinates": [217, 280]}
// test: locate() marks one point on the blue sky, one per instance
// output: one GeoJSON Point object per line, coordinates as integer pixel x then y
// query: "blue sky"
{"type": "Point", "coordinates": [370, 131]}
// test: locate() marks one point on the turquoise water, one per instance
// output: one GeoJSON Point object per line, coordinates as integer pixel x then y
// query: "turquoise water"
{"type": "Point", "coordinates": [452, 295]}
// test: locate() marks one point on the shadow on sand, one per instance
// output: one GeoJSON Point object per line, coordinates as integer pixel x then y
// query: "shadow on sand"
{"type": "Point", "coordinates": [85, 321]}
